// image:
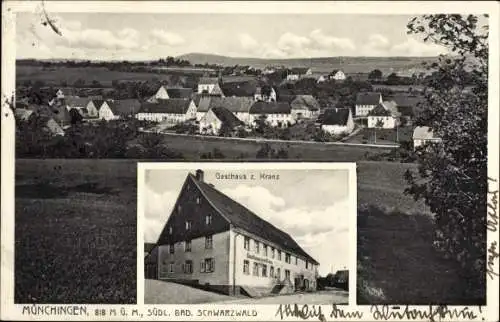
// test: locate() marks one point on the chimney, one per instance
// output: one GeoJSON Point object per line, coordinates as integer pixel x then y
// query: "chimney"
{"type": "Point", "coordinates": [199, 175]}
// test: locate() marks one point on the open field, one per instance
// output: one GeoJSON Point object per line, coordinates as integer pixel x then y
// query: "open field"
{"type": "Point", "coordinates": [75, 231]}
{"type": "Point", "coordinates": [54, 75]}
{"type": "Point", "coordinates": [383, 136]}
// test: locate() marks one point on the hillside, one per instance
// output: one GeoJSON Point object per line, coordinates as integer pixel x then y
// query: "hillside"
{"type": "Point", "coordinates": [348, 64]}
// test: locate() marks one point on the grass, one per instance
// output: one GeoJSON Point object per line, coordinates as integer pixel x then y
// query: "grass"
{"type": "Point", "coordinates": [75, 231]}
{"type": "Point", "coordinates": [162, 292]}
{"type": "Point", "coordinates": [55, 75]}
{"type": "Point", "coordinates": [384, 136]}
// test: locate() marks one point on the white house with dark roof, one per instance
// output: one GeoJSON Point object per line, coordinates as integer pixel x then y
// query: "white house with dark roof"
{"type": "Point", "coordinates": [275, 113]}
{"type": "Point", "coordinates": [174, 111]}
{"type": "Point", "coordinates": [214, 241]}
{"type": "Point", "coordinates": [209, 85]}
{"type": "Point", "coordinates": [337, 75]}
{"type": "Point", "coordinates": [217, 118]}
{"type": "Point", "coordinates": [385, 115]}
{"type": "Point", "coordinates": [304, 107]}
{"type": "Point", "coordinates": [239, 106]}
{"type": "Point", "coordinates": [93, 107]}
{"type": "Point", "coordinates": [423, 135]}
{"type": "Point", "coordinates": [118, 109]}
{"type": "Point", "coordinates": [367, 101]}
{"type": "Point", "coordinates": [165, 93]}
{"type": "Point", "coordinates": [336, 121]}
{"type": "Point", "coordinates": [296, 73]}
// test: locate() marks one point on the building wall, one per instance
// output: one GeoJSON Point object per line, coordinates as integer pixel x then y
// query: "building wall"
{"type": "Point", "coordinates": [92, 110]}
{"type": "Point", "coordinates": [335, 129]}
{"type": "Point", "coordinates": [389, 121]}
{"type": "Point", "coordinates": [339, 76]}
{"type": "Point", "coordinates": [191, 111]}
{"type": "Point", "coordinates": [105, 113]}
{"type": "Point", "coordinates": [210, 124]}
{"type": "Point", "coordinates": [273, 119]}
{"type": "Point", "coordinates": [219, 252]}
{"type": "Point", "coordinates": [363, 110]}
{"type": "Point", "coordinates": [162, 93]}
{"type": "Point", "coordinates": [302, 114]}
{"type": "Point", "coordinates": [206, 87]}
{"type": "Point", "coordinates": [297, 265]}
{"type": "Point", "coordinates": [420, 142]}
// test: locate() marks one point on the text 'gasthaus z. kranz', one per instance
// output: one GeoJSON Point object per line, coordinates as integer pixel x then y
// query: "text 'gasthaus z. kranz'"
{"type": "Point", "coordinates": [213, 241]}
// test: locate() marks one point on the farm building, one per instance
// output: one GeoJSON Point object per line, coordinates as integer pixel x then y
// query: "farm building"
{"type": "Point", "coordinates": [216, 119]}
{"type": "Point", "coordinates": [209, 85]}
{"type": "Point", "coordinates": [296, 73]}
{"type": "Point", "coordinates": [337, 75]}
{"type": "Point", "coordinates": [239, 89]}
{"type": "Point", "coordinates": [423, 135]}
{"type": "Point", "coordinates": [275, 113]}
{"type": "Point", "coordinates": [385, 115]}
{"type": "Point", "coordinates": [336, 121]}
{"type": "Point", "coordinates": [174, 111]}
{"type": "Point", "coordinates": [66, 92]}
{"type": "Point", "coordinates": [212, 240]}
{"type": "Point", "coordinates": [305, 107]}
{"type": "Point", "coordinates": [93, 107]}
{"type": "Point", "coordinates": [75, 102]}
{"type": "Point", "coordinates": [119, 109]}
{"type": "Point", "coordinates": [408, 105]}
{"type": "Point", "coordinates": [165, 93]}
{"type": "Point", "coordinates": [239, 106]}
{"type": "Point", "coordinates": [367, 101]}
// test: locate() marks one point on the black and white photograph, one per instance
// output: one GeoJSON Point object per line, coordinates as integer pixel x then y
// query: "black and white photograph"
{"type": "Point", "coordinates": [94, 91]}
{"type": "Point", "coordinates": [247, 235]}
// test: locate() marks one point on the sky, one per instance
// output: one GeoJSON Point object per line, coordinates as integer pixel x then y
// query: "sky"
{"type": "Point", "coordinates": [151, 36]}
{"type": "Point", "coordinates": [312, 206]}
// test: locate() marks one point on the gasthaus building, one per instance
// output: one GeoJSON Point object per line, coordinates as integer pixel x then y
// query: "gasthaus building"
{"type": "Point", "coordinates": [215, 242]}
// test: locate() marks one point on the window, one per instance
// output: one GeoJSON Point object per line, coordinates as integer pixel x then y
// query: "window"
{"type": "Point", "coordinates": [207, 265]}
{"type": "Point", "coordinates": [296, 260]}
{"type": "Point", "coordinates": [278, 273]}
{"type": "Point", "coordinates": [307, 265]}
{"type": "Point", "coordinates": [198, 200]}
{"type": "Point", "coordinates": [264, 248]}
{"type": "Point", "coordinates": [272, 252]}
{"type": "Point", "coordinates": [287, 274]}
{"type": "Point", "coordinates": [287, 258]}
{"type": "Point", "coordinates": [264, 270]}
{"type": "Point", "coordinates": [271, 271]}
{"type": "Point", "coordinates": [171, 249]}
{"type": "Point", "coordinates": [187, 246]}
{"type": "Point", "coordinates": [255, 270]}
{"type": "Point", "coordinates": [279, 255]}
{"type": "Point", "coordinates": [171, 267]}
{"type": "Point", "coordinates": [188, 225]}
{"type": "Point", "coordinates": [247, 243]}
{"type": "Point", "coordinates": [208, 219]}
{"type": "Point", "coordinates": [188, 267]}
{"type": "Point", "coordinates": [246, 267]}
{"type": "Point", "coordinates": [208, 242]}
{"type": "Point", "coordinates": [257, 246]}
{"type": "Point", "coordinates": [179, 208]}
{"type": "Point", "coordinates": [170, 230]}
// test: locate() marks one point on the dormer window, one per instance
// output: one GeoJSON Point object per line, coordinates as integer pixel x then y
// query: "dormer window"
{"type": "Point", "coordinates": [188, 225]}
{"type": "Point", "coordinates": [208, 219]}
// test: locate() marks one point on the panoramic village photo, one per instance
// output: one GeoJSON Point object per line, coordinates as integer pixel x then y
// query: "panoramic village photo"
{"type": "Point", "coordinates": [247, 235]}
{"type": "Point", "coordinates": [403, 96]}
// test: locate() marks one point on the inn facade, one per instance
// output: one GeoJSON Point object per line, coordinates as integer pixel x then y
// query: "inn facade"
{"type": "Point", "coordinates": [212, 240]}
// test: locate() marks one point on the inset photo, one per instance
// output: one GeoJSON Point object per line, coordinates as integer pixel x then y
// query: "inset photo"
{"type": "Point", "coordinates": [270, 233]}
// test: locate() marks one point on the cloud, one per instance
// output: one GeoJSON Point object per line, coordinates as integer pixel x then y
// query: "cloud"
{"type": "Point", "coordinates": [168, 38]}
{"type": "Point", "coordinates": [247, 42]}
{"type": "Point", "coordinates": [323, 41]}
{"type": "Point", "coordinates": [413, 47]}
{"type": "Point", "coordinates": [378, 42]}
{"type": "Point", "coordinates": [157, 210]}
{"type": "Point", "coordinates": [291, 43]}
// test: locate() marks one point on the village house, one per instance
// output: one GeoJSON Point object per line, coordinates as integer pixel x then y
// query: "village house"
{"type": "Point", "coordinates": [265, 93]}
{"type": "Point", "coordinates": [239, 106]}
{"type": "Point", "coordinates": [218, 118]}
{"type": "Point", "coordinates": [78, 103]}
{"type": "Point", "coordinates": [423, 135]}
{"type": "Point", "coordinates": [173, 111]}
{"type": "Point", "coordinates": [385, 115]}
{"type": "Point", "coordinates": [93, 107]}
{"type": "Point", "coordinates": [275, 113]}
{"type": "Point", "coordinates": [65, 93]}
{"type": "Point", "coordinates": [336, 121]}
{"type": "Point", "coordinates": [209, 85]}
{"type": "Point", "coordinates": [295, 74]}
{"type": "Point", "coordinates": [408, 105]}
{"type": "Point", "coordinates": [365, 102]}
{"type": "Point", "coordinates": [23, 114]}
{"type": "Point", "coordinates": [165, 93]}
{"type": "Point", "coordinates": [118, 109]}
{"type": "Point", "coordinates": [337, 75]}
{"type": "Point", "coordinates": [246, 88]}
{"type": "Point", "coordinates": [304, 107]}
{"type": "Point", "coordinates": [212, 240]}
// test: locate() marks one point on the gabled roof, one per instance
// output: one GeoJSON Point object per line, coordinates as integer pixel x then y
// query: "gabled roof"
{"type": "Point", "coordinates": [233, 104]}
{"type": "Point", "coordinates": [204, 103]}
{"type": "Point", "coordinates": [170, 106]}
{"type": "Point", "coordinates": [247, 88]}
{"type": "Point", "coordinates": [368, 98]}
{"type": "Point", "coordinates": [423, 133]}
{"type": "Point", "coordinates": [379, 110]}
{"type": "Point", "coordinates": [226, 117]}
{"type": "Point", "coordinates": [286, 98]}
{"type": "Point", "coordinates": [23, 114]}
{"type": "Point", "coordinates": [334, 116]}
{"type": "Point", "coordinates": [124, 107]}
{"type": "Point", "coordinates": [76, 101]}
{"type": "Point", "coordinates": [208, 80]}
{"type": "Point", "coordinates": [270, 108]}
{"type": "Point", "coordinates": [243, 218]}
{"type": "Point", "coordinates": [179, 92]}
{"type": "Point", "coordinates": [97, 103]}
{"type": "Point", "coordinates": [298, 70]}
{"type": "Point", "coordinates": [335, 71]}
{"type": "Point", "coordinates": [305, 102]}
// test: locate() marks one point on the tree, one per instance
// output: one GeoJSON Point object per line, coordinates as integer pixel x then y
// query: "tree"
{"type": "Point", "coordinates": [378, 125]}
{"type": "Point", "coordinates": [375, 74]}
{"type": "Point", "coordinates": [393, 79]}
{"type": "Point", "coordinates": [452, 176]}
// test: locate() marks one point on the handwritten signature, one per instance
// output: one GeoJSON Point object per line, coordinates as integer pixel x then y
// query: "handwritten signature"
{"type": "Point", "coordinates": [492, 225]}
